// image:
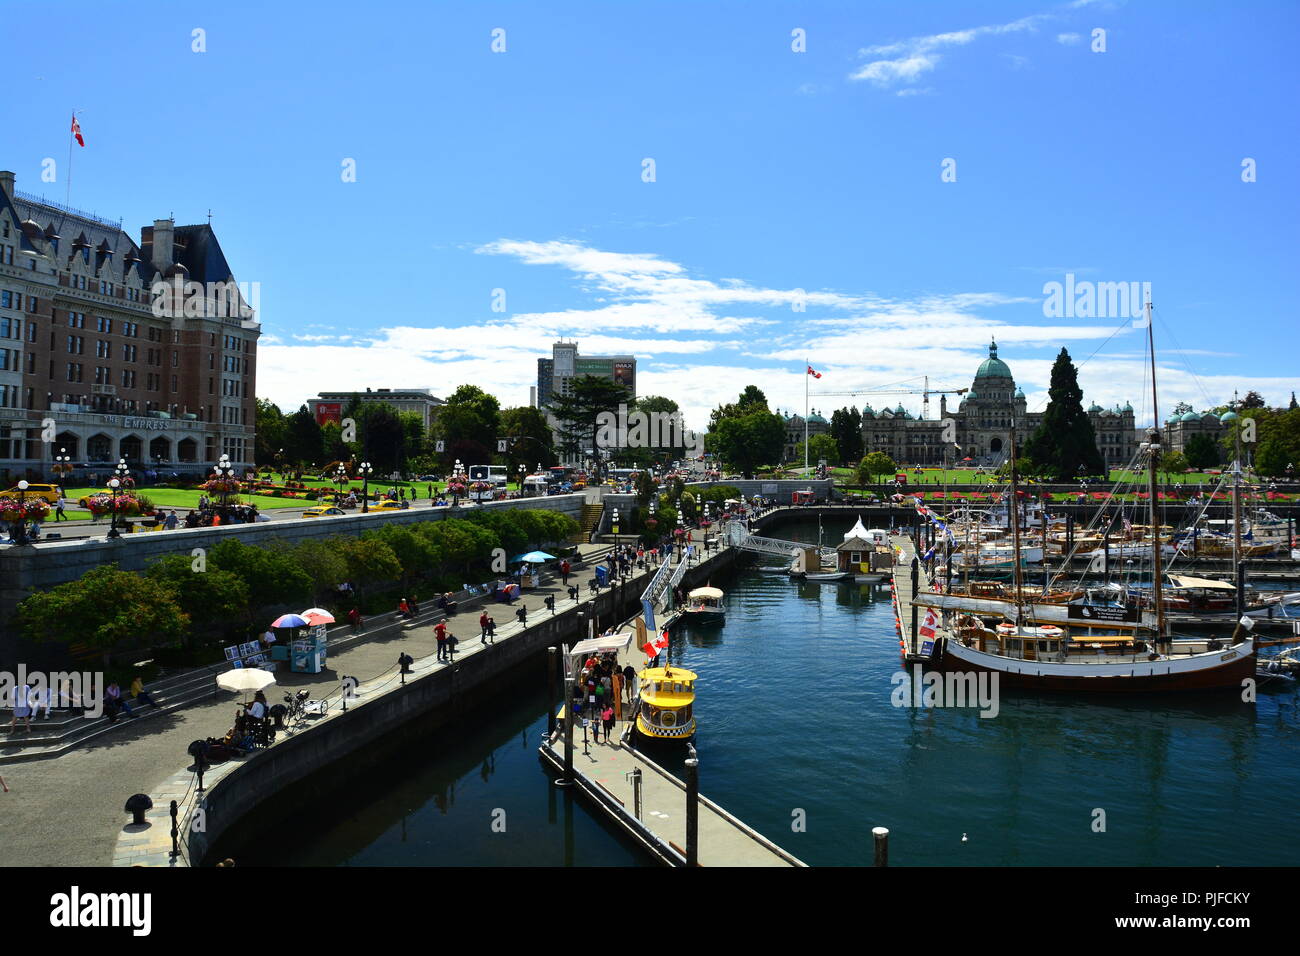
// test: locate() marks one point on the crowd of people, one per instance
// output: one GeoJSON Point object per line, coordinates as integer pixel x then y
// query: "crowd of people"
{"type": "Point", "coordinates": [600, 693]}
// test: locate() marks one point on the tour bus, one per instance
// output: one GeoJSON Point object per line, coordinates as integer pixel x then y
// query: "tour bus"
{"type": "Point", "coordinates": [493, 473]}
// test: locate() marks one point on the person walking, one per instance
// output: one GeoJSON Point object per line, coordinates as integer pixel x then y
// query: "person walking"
{"type": "Point", "coordinates": [452, 641]}
{"type": "Point", "coordinates": [565, 568]}
{"type": "Point", "coordinates": [440, 632]}
{"type": "Point", "coordinates": [629, 682]}
{"type": "Point", "coordinates": [492, 629]}
{"type": "Point", "coordinates": [483, 626]}
{"type": "Point", "coordinates": [607, 715]}
{"type": "Point", "coordinates": [522, 614]}
{"type": "Point", "coordinates": [22, 707]}
{"type": "Point", "coordinates": [59, 513]}
{"type": "Point", "coordinates": [354, 618]}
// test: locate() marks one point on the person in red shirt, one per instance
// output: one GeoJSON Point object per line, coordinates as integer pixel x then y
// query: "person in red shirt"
{"type": "Point", "coordinates": [564, 571]}
{"type": "Point", "coordinates": [440, 632]}
{"type": "Point", "coordinates": [483, 626]}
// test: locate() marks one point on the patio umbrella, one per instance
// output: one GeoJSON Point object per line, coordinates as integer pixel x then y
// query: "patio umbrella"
{"type": "Point", "coordinates": [317, 615]}
{"type": "Point", "coordinates": [289, 620]}
{"type": "Point", "coordinates": [536, 557]}
{"type": "Point", "coordinates": [245, 680]}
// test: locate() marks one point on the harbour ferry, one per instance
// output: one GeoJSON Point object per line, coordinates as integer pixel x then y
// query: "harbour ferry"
{"type": "Point", "coordinates": [667, 699]}
{"type": "Point", "coordinates": [704, 606]}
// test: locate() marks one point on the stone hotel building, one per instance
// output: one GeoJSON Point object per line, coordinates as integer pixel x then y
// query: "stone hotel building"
{"type": "Point", "coordinates": [87, 367]}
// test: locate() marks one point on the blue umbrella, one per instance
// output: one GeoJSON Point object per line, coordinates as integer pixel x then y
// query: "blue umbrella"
{"type": "Point", "coordinates": [290, 620]}
{"type": "Point", "coordinates": [535, 557]}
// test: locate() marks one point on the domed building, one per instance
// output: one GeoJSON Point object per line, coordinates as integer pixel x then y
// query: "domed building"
{"type": "Point", "coordinates": [982, 425]}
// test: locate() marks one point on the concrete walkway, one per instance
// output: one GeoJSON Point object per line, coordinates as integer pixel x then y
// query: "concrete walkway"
{"type": "Point", "coordinates": [68, 811]}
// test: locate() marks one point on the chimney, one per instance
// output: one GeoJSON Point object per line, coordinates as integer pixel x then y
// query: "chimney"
{"type": "Point", "coordinates": [164, 238]}
{"type": "Point", "coordinates": [7, 182]}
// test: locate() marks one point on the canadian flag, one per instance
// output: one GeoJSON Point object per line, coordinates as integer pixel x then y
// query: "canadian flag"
{"type": "Point", "coordinates": [650, 650]}
{"type": "Point", "coordinates": [76, 130]}
{"type": "Point", "coordinates": [813, 372]}
{"type": "Point", "coordinates": [931, 622]}
{"type": "Point", "coordinates": [663, 640]}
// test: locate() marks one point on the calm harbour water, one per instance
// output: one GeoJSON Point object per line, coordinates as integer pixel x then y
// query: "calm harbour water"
{"type": "Point", "coordinates": [796, 721]}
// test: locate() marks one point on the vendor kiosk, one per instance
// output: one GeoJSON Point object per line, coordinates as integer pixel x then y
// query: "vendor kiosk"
{"type": "Point", "coordinates": [307, 654]}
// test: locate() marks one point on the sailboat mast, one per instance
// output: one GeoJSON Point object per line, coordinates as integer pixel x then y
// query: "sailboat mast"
{"type": "Point", "coordinates": [1157, 583]}
{"type": "Point", "coordinates": [1015, 525]}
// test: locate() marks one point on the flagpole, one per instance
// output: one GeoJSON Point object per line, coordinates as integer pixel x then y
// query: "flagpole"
{"type": "Point", "coordinates": [806, 367]}
{"type": "Point", "coordinates": [67, 197]}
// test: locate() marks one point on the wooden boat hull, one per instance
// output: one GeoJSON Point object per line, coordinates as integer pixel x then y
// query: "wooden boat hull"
{"type": "Point", "coordinates": [1218, 670]}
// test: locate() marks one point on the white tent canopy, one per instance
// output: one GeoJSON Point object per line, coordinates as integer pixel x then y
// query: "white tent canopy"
{"type": "Point", "coordinates": [601, 645]}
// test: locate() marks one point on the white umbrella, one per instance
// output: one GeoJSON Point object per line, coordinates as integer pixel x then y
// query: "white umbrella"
{"type": "Point", "coordinates": [245, 679]}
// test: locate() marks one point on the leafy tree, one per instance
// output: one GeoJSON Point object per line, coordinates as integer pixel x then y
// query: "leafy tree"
{"type": "Point", "coordinates": [1272, 458]}
{"type": "Point", "coordinates": [469, 424]}
{"type": "Point", "coordinates": [1064, 444]}
{"type": "Point", "coordinates": [458, 545]}
{"type": "Point", "coordinates": [333, 447]}
{"type": "Point", "coordinates": [1253, 400]}
{"type": "Point", "coordinates": [413, 551]}
{"type": "Point", "coordinates": [530, 439]}
{"type": "Point", "coordinates": [746, 434]}
{"type": "Point", "coordinates": [302, 439]}
{"type": "Point", "coordinates": [577, 414]}
{"type": "Point", "coordinates": [271, 430]}
{"type": "Point", "coordinates": [873, 466]}
{"type": "Point", "coordinates": [106, 608]}
{"type": "Point", "coordinates": [214, 600]}
{"type": "Point", "coordinates": [369, 561]}
{"type": "Point", "coordinates": [272, 578]}
{"type": "Point", "coordinates": [1173, 463]}
{"type": "Point", "coordinates": [846, 429]}
{"type": "Point", "coordinates": [323, 565]}
{"type": "Point", "coordinates": [819, 447]}
{"type": "Point", "coordinates": [382, 436]}
{"type": "Point", "coordinates": [1201, 451]}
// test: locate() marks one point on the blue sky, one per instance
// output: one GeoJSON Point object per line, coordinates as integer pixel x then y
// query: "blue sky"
{"type": "Point", "coordinates": [775, 171]}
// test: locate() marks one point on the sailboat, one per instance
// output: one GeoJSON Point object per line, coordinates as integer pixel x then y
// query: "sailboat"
{"type": "Point", "coordinates": [1102, 648]}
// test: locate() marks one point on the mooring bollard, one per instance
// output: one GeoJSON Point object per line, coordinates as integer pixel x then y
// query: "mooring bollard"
{"type": "Point", "coordinates": [635, 774]}
{"type": "Point", "coordinates": [567, 779]}
{"type": "Point", "coordinates": [692, 811]}
{"type": "Point", "coordinates": [880, 835]}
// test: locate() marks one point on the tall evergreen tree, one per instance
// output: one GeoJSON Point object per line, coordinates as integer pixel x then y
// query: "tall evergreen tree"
{"type": "Point", "coordinates": [1064, 445]}
{"type": "Point", "coordinates": [577, 413]}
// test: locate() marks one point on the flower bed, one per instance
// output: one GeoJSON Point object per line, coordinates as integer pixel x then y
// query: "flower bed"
{"type": "Point", "coordinates": [103, 504]}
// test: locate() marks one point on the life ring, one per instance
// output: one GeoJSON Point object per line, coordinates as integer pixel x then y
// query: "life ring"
{"type": "Point", "coordinates": [1006, 629]}
{"type": "Point", "coordinates": [1050, 630]}
{"type": "Point", "coordinates": [669, 718]}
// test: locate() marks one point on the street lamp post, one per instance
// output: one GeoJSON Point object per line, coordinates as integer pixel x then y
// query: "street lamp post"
{"type": "Point", "coordinates": [340, 479]}
{"type": "Point", "coordinates": [614, 527]}
{"type": "Point", "coordinates": [62, 465]}
{"type": "Point", "coordinates": [224, 473]}
{"type": "Point", "coordinates": [20, 536]}
{"type": "Point", "coordinates": [113, 485]}
{"type": "Point", "coordinates": [522, 470]}
{"type": "Point", "coordinates": [364, 469]}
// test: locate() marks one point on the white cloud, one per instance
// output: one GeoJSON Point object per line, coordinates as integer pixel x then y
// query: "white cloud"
{"type": "Point", "coordinates": [904, 61]}
{"type": "Point", "coordinates": [1068, 39]}
{"type": "Point", "coordinates": [701, 341]}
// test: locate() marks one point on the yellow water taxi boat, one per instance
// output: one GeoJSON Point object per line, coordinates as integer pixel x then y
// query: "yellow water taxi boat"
{"type": "Point", "coordinates": [667, 704]}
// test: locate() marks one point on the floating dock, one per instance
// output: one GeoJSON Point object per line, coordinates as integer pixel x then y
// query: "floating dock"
{"type": "Point", "coordinates": [909, 641]}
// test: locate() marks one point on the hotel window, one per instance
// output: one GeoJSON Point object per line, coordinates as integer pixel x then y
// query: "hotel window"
{"type": "Point", "coordinates": [7, 299]}
{"type": "Point", "coordinates": [174, 383]}
{"type": "Point", "coordinates": [175, 360]}
{"type": "Point", "coordinates": [7, 255]}
{"type": "Point", "coordinates": [33, 303]}
{"type": "Point", "coordinates": [212, 360]}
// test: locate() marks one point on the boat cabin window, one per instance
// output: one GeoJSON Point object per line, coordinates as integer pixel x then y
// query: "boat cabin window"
{"type": "Point", "coordinates": [855, 557]}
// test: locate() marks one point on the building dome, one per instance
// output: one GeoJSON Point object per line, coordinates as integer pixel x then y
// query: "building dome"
{"type": "Point", "coordinates": [1020, 393]}
{"type": "Point", "coordinates": [971, 394]}
{"type": "Point", "coordinates": [176, 269]}
{"type": "Point", "coordinates": [1228, 417]}
{"type": "Point", "coordinates": [993, 367]}
{"type": "Point", "coordinates": [1173, 419]}
{"type": "Point", "coordinates": [1190, 417]}
{"type": "Point", "coordinates": [1094, 407]}
{"type": "Point", "coordinates": [901, 412]}
{"type": "Point", "coordinates": [815, 419]}
{"type": "Point", "coordinates": [868, 412]}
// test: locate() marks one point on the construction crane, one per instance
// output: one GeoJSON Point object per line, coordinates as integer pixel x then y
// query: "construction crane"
{"type": "Point", "coordinates": [926, 391]}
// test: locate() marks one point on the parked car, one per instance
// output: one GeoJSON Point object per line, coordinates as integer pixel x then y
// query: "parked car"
{"type": "Point", "coordinates": [49, 492]}
{"type": "Point", "coordinates": [388, 504]}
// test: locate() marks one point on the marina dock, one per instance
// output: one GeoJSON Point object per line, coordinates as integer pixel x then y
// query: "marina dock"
{"type": "Point", "coordinates": [645, 800]}
{"type": "Point", "coordinates": [906, 617]}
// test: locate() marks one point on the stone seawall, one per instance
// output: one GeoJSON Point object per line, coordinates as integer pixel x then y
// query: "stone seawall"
{"type": "Point", "coordinates": [432, 697]}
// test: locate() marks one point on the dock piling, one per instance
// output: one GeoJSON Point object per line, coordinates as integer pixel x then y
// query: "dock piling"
{"type": "Point", "coordinates": [567, 779]}
{"type": "Point", "coordinates": [880, 836]}
{"type": "Point", "coordinates": [692, 811]}
{"type": "Point", "coordinates": [552, 671]}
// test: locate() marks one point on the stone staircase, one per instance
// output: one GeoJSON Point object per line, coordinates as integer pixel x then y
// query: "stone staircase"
{"type": "Point", "coordinates": [591, 514]}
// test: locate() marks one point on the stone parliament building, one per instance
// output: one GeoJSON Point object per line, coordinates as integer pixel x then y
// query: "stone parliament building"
{"type": "Point", "coordinates": [982, 420]}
